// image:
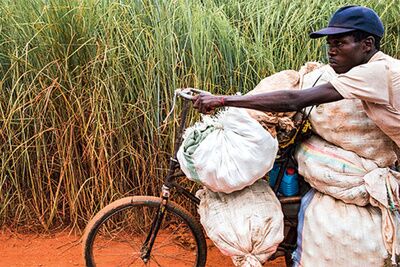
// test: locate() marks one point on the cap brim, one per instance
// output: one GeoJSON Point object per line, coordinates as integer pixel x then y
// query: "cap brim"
{"type": "Point", "coordinates": [329, 31]}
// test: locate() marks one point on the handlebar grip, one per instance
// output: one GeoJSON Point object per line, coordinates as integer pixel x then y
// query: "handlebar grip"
{"type": "Point", "coordinates": [199, 91]}
{"type": "Point", "coordinates": [187, 93]}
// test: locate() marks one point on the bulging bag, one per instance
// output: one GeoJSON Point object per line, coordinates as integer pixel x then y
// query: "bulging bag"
{"type": "Point", "coordinates": [246, 225]}
{"type": "Point", "coordinates": [281, 124]}
{"type": "Point", "coordinates": [333, 233]}
{"type": "Point", "coordinates": [334, 171]}
{"type": "Point", "coordinates": [343, 174]}
{"type": "Point", "coordinates": [346, 124]}
{"type": "Point", "coordinates": [346, 176]}
{"type": "Point", "coordinates": [227, 152]}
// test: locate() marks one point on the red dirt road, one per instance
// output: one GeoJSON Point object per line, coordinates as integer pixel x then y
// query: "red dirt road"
{"type": "Point", "coordinates": [64, 250]}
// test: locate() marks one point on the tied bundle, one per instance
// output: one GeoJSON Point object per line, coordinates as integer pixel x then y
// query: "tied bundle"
{"type": "Point", "coordinates": [281, 125]}
{"type": "Point", "coordinates": [227, 152]}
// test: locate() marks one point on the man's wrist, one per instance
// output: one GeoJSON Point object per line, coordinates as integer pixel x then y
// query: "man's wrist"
{"type": "Point", "coordinates": [221, 100]}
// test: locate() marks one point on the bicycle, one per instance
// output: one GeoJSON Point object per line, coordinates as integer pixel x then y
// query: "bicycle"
{"type": "Point", "coordinates": [163, 232]}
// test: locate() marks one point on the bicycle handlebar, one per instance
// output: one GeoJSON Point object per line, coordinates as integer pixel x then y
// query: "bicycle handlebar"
{"type": "Point", "coordinates": [188, 93]}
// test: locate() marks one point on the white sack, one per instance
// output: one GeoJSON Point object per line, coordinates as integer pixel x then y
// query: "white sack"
{"type": "Point", "coordinates": [333, 233]}
{"type": "Point", "coordinates": [343, 174]}
{"type": "Point", "coordinates": [346, 176]}
{"type": "Point", "coordinates": [345, 124]}
{"type": "Point", "coordinates": [280, 124]}
{"type": "Point", "coordinates": [334, 171]}
{"type": "Point", "coordinates": [227, 152]}
{"type": "Point", "coordinates": [246, 225]}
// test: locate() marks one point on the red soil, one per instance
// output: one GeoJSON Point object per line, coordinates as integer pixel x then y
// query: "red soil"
{"type": "Point", "coordinates": [64, 249]}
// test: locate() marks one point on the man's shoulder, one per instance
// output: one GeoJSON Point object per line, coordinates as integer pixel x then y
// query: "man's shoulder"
{"type": "Point", "coordinates": [376, 68]}
{"type": "Point", "coordinates": [382, 58]}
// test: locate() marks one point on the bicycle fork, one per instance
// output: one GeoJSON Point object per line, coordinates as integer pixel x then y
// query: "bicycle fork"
{"type": "Point", "coordinates": [173, 165]}
{"type": "Point", "coordinates": [155, 226]}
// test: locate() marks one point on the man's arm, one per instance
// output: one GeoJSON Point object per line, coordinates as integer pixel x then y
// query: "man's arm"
{"type": "Point", "coordinates": [282, 100]}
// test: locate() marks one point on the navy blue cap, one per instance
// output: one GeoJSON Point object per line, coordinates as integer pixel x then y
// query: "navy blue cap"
{"type": "Point", "coordinates": [351, 18]}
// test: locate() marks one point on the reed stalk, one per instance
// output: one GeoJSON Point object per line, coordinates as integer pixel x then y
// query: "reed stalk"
{"type": "Point", "coordinates": [85, 87]}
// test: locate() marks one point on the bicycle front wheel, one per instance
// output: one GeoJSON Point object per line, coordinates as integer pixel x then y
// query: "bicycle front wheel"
{"type": "Point", "coordinates": [115, 236]}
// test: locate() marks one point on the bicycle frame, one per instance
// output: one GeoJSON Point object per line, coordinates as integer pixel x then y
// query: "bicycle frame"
{"type": "Point", "coordinates": [286, 247]}
{"type": "Point", "coordinates": [169, 183]}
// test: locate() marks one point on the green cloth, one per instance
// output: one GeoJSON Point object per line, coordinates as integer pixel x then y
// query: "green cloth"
{"type": "Point", "coordinates": [191, 143]}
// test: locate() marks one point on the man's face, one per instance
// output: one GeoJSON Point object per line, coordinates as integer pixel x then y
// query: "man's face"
{"type": "Point", "coordinates": [344, 53]}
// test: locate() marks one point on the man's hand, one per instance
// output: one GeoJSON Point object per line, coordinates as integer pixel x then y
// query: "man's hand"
{"type": "Point", "coordinates": [206, 103]}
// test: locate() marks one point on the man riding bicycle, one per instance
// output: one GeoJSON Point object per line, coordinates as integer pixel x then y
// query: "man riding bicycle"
{"type": "Point", "coordinates": [361, 71]}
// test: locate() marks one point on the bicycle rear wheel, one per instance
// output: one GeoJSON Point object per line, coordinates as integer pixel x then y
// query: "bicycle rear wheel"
{"type": "Point", "coordinates": [114, 237]}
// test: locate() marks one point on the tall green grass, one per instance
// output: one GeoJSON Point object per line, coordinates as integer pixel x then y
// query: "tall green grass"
{"type": "Point", "coordinates": [85, 87]}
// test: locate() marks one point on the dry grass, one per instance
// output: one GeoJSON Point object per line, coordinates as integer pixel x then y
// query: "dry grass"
{"type": "Point", "coordinates": [85, 87]}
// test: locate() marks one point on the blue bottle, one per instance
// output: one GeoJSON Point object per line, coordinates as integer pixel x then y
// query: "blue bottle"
{"type": "Point", "coordinates": [290, 183]}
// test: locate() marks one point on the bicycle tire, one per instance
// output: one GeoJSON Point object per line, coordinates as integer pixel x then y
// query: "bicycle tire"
{"type": "Point", "coordinates": [108, 218]}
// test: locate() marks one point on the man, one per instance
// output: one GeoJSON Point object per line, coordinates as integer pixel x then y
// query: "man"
{"type": "Point", "coordinates": [353, 38]}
